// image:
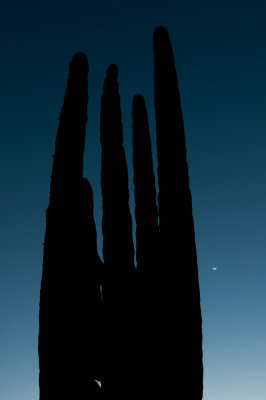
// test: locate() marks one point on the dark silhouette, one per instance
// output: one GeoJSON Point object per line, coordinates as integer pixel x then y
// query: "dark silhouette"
{"type": "Point", "coordinates": [180, 314]}
{"type": "Point", "coordinates": [137, 330]}
{"type": "Point", "coordinates": [70, 305]}
{"type": "Point", "coordinates": [118, 250]}
{"type": "Point", "coordinates": [146, 247]}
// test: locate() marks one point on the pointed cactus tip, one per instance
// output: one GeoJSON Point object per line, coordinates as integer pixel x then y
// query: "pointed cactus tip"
{"type": "Point", "coordinates": [138, 101]}
{"type": "Point", "coordinates": [79, 60]}
{"type": "Point", "coordinates": [160, 33]}
{"type": "Point", "coordinates": [112, 72]}
{"type": "Point", "coordinates": [138, 97]}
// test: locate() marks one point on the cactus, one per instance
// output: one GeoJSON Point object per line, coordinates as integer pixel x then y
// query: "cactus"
{"type": "Point", "coordinates": [143, 337]}
{"type": "Point", "coordinates": [70, 306]}
{"type": "Point", "coordinates": [147, 232]}
{"type": "Point", "coordinates": [181, 333]}
{"type": "Point", "coordinates": [118, 249]}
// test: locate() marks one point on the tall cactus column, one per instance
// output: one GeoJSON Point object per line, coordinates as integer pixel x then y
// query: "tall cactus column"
{"type": "Point", "coordinates": [69, 314]}
{"type": "Point", "coordinates": [146, 247]}
{"type": "Point", "coordinates": [181, 333]}
{"type": "Point", "coordinates": [118, 250]}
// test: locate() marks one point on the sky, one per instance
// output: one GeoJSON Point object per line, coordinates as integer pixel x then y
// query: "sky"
{"type": "Point", "coordinates": [220, 54]}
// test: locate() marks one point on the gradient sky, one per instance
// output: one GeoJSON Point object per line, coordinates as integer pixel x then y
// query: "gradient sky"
{"type": "Point", "coordinates": [220, 53]}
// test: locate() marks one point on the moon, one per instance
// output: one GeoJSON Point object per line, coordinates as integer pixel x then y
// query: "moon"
{"type": "Point", "coordinates": [214, 268]}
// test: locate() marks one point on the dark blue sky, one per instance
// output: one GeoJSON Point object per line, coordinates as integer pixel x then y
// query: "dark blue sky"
{"type": "Point", "coordinates": [220, 53]}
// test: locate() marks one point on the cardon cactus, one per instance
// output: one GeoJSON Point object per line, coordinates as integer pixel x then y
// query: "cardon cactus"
{"type": "Point", "coordinates": [137, 329]}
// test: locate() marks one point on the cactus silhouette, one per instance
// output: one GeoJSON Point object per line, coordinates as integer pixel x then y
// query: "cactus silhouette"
{"type": "Point", "coordinates": [70, 302]}
{"type": "Point", "coordinates": [180, 312]}
{"type": "Point", "coordinates": [118, 250]}
{"type": "Point", "coordinates": [147, 241]}
{"type": "Point", "coordinates": [136, 329]}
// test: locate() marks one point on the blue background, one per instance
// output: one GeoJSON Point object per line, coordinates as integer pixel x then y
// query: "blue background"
{"type": "Point", "coordinates": [220, 55]}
